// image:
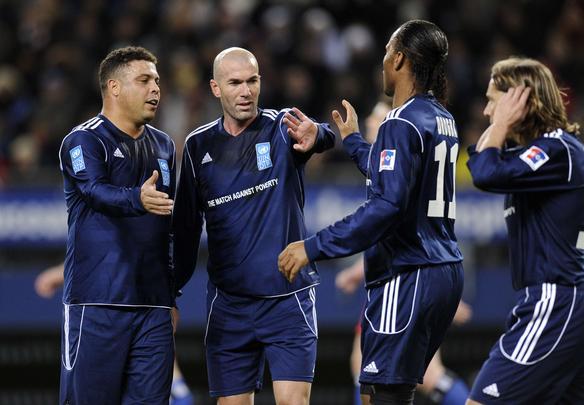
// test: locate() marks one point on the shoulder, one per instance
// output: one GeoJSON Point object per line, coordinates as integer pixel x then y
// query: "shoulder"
{"type": "Point", "coordinates": [87, 134]}
{"type": "Point", "coordinates": [158, 133]}
{"type": "Point", "coordinates": [405, 117]}
{"type": "Point", "coordinates": [271, 114]}
{"type": "Point", "coordinates": [209, 127]}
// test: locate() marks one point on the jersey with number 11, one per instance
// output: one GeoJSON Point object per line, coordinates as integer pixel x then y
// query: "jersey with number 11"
{"type": "Point", "coordinates": [408, 218]}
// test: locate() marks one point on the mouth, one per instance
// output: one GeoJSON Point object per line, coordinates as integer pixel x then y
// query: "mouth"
{"type": "Point", "coordinates": [153, 102]}
{"type": "Point", "coordinates": [245, 105]}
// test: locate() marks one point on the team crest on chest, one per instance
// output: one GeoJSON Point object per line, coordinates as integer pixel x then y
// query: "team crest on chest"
{"type": "Point", "coordinates": [165, 171]}
{"type": "Point", "coordinates": [263, 155]}
{"type": "Point", "coordinates": [387, 159]}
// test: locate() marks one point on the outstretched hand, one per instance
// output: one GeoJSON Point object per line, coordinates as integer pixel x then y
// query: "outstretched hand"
{"type": "Point", "coordinates": [351, 124]}
{"type": "Point", "coordinates": [154, 201]}
{"type": "Point", "coordinates": [302, 129]}
{"type": "Point", "coordinates": [292, 259]}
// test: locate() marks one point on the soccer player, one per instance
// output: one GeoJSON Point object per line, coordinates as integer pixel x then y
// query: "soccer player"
{"type": "Point", "coordinates": [244, 174]}
{"type": "Point", "coordinates": [531, 153]}
{"type": "Point", "coordinates": [413, 270]}
{"type": "Point", "coordinates": [117, 338]}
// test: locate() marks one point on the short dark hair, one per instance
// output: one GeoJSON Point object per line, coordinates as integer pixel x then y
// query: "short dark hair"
{"type": "Point", "coordinates": [118, 59]}
{"type": "Point", "coordinates": [426, 46]}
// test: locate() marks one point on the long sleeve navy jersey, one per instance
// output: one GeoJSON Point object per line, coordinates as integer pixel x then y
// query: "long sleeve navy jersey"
{"type": "Point", "coordinates": [249, 190]}
{"type": "Point", "coordinates": [117, 253]}
{"type": "Point", "coordinates": [408, 217]}
{"type": "Point", "coordinates": [544, 187]}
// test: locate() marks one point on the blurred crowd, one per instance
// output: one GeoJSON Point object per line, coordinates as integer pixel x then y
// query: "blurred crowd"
{"type": "Point", "coordinates": [312, 54]}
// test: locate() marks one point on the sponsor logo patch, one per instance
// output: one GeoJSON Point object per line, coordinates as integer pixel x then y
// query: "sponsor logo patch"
{"type": "Point", "coordinates": [387, 159]}
{"type": "Point", "coordinates": [118, 153]}
{"type": "Point", "coordinates": [492, 390]}
{"type": "Point", "coordinates": [77, 159]}
{"type": "Point", "coordinates": [534, 157]}
{"type": "Point", "coordinates": [371, 368]}
{"type": "Point", "coordinates": [165, 171]}
{"type": "Point", "coordinates": [206, 158]}
{"type": "Point", "coordinates": [263, 155]}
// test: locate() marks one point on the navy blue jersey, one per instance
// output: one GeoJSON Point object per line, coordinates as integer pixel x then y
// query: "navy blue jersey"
{"type": "Point", "coordinates": [408, 218]}
{"type": "Point", "coordinates": [117, 253]}
{"type": "Point", "coordinates": [544, 183]}
{"type": "Point", "coordinates": [249, 189]}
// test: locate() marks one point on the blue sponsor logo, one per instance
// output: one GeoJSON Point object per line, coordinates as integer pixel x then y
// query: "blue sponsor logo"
{"type": "Point", "coordinates": [77, 159]}
{"type": "Point", "coordinates": [165, 171]}
{"type": "Point", "coordinates": [263, 155]}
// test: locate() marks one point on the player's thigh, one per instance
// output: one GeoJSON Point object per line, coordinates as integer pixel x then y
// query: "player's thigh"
{"type": "Point", "coordinates": [94, 345]}
{"type": "Point", "coordinates": [404, 322]}
{"type": "Point", "coordinates": [240, 399]}
{"type": "Point", "coordinates": [288, 331]}
{"type": "Point", "coordinates": [235, 358]}
{"type": "Point", "coordinates": [292, 392]}
{"type": "Point", "coordinates": [540, 354]}
{"type": "Point", "coordinates": [148, 373]}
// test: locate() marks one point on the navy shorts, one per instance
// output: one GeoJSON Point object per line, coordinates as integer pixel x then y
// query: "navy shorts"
{"type": "Point", "coordinates": [540, 357]}
{"type": "Point", "coordinates": [116, 355]}
{"type": "Point", "coordinates": [404, 323]}
{"type": "Point", "coordinates": [243, 332]}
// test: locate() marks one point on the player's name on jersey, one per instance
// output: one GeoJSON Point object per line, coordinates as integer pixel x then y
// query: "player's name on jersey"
{"type": "Point", "coordinates": [242, 193]}
{"type": "Point", "coordinates": [446, 126]}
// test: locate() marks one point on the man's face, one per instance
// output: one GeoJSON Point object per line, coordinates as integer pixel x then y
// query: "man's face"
{"type": "Point", "coordinates": [493, 96]}
{"type": "Point", "coordinates": [139, 91]}
{"type": "Point", "coordinates": [388, 71]}
{"type": "Point", "coordinates": [238, 87]}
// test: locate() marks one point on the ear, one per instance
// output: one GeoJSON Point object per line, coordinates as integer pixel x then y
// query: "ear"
{"type": "Point", "coordinates": [215, 88]}
{"type": "Point", "coordinates": [399, 61]}
{"type": "Point", "coordinates": [113, 87]}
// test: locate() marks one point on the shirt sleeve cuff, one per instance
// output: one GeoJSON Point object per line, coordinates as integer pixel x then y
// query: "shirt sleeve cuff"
{"type": "Point", "coordinates": [311, 247]}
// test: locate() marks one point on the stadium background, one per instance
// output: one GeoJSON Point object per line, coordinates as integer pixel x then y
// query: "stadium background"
{"type": "Point", "coordinates": [311, 54]}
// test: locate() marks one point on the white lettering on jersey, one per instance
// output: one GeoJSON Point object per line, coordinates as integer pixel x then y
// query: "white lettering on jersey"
{"type": "Point", "coordinates": [446, 126]}
{"type": "Point", "coordinates": [508, 211]}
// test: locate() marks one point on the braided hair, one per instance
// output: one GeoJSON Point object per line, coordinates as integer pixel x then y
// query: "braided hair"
{"type": "Point", "coordinates": [426, 46]}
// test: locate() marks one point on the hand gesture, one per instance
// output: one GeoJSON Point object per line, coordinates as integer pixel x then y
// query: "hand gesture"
{"type": "Point", "coordinates": [49, 281]}
{"type": "Point", "coordinates": [349, 279]}
{"type": "Point", "coordinates": [155, 202]}
{"type": "Point", "coordinates": [511, 107]}
{"type": "Point", "coordinates": [292, 259]}
{"type": "Point", "coordinates": [351, 125]}
{"type": "Point", "coordinates": [302, 129]}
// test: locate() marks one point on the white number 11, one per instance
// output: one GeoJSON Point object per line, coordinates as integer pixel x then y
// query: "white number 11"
{"type": "Point", "coordinates": [436, 207]}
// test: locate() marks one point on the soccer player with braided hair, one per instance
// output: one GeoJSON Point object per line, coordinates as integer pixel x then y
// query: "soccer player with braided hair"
{"type": "Point", "coordinates": [413, 270]}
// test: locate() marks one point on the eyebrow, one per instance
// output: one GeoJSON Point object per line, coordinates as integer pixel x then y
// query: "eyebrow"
{"type": "Point", "coordinates": [236, 80]}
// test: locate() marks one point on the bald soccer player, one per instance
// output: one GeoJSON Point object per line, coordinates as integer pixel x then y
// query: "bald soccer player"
{"type": "Point", "coordinates": [243, 174]}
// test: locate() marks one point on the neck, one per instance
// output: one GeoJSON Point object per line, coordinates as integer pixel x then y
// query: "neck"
{"type": "Point", "coordinates": [403, 91]}
{"type": "Point", "coordinates": [122, 122]}
{"type": "Point", "coordinates": [235, 127]}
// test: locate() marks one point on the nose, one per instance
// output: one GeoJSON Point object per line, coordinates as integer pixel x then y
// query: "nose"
{"type": "Point", "coordinates": [246, 90]}
{"type": "Point", "coordinates": [487, 110]}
